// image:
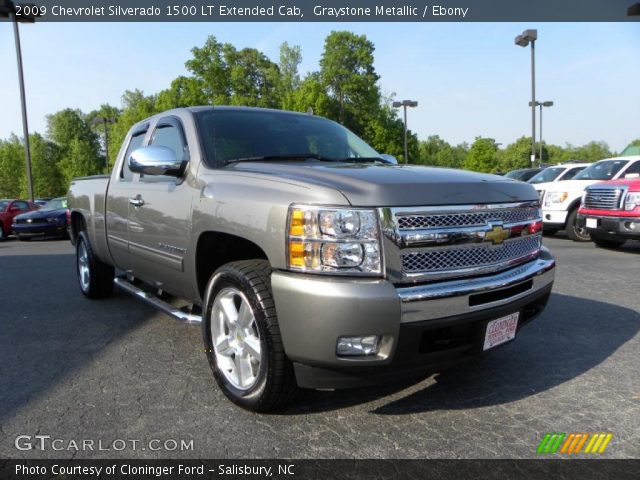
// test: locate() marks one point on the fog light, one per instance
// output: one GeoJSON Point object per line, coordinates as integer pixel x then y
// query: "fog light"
{"type": "Point", "coordinates": [354, 346]}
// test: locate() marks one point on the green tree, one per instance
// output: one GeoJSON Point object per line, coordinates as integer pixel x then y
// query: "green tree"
{"type": "Point", "coordinates": [183, 92]}
{"type": "Point", "coordinates": [78, 161]}
{"type": "Point", "coordinates": [209, 66]}
{"type": "Point", "coordinates": [482, 156]}
{"type": "Point", "coordinates": [13, 183]}
{"type": "Point", "coordinates": [346, 69]}
{"type": "Point", "coordinates": [517, 155]}
{"type": "Point", "coordinates": [290, 59]}
{"type": "Point", "coordinates": [46, 175]}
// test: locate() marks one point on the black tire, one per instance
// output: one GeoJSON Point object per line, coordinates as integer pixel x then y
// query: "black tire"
{"type": "Point", "coordinates": [97, 280]}
{"type": "Point", "coordinates": [3, 234]}
{"type": "Point", "coordinates": [575, 233]}
{"type": "Point", "coordinates": [549, 231]}
{"type": "Point", "coordinates": [23, 239]}
{"type": "Point", "coordinates": [274, 383]}
{"type": "Point", "coordinates": [607, 242]}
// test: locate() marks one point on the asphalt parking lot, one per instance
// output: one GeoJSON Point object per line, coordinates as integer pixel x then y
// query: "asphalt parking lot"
{"type": "Point", "coordinates": [116, 369]}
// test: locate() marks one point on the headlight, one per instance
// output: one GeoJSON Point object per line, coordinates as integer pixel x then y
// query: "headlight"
{"type": "Point", "coordinates": [333, 240]}
{"type": "Point", "coordinates": [555, 197]}
{"type": "Point", "coordinates": [632, 200]}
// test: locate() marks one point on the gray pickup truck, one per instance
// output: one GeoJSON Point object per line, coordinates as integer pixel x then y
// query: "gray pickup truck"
{"type": "Point", "coordinates": [309, 259]}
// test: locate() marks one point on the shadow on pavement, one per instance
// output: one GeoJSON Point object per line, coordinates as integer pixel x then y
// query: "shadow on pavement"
{"type": "Point", "coordinates": [48, 330]}
{"type": "Point", "coordinates": [572, 336]}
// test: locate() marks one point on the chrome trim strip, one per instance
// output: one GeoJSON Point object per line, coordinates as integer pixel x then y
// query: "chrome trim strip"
{"type": "Point", "coordinates": [445, 299]}
{"type": "Point", "coordinates": [154, 301]}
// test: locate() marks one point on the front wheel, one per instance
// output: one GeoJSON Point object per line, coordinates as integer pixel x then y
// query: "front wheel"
{"type": "Point", "coordinates": [607, 242]}
{"type": "Point", "coordinates": [94, 276]}
{"type": "Point", "coordinates": [242, 337]}
{"type": "Point", "coordinates": [574, 232]}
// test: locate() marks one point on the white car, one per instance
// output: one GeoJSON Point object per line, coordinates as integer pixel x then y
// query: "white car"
{"type": "Point", "coordinates": [556, 173]}
{"type": "Point", "coordinates": [561, 200]}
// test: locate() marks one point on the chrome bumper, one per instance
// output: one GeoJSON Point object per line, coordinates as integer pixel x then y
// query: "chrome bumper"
{"type": "Point", "coordinates": [446, 299]}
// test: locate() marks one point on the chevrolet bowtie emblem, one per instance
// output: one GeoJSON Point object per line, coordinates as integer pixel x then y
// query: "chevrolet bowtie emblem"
{"type": "Point", "coordinates": [497, 235]}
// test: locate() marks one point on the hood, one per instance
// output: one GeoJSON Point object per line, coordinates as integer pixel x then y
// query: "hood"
{"type": "Point", "coordinates": [633, 184]}
{"type": "Point", "coordinates": [569, 185]}
{"type": "Point", "coordinates": [375, 185]}
{"type": "Point", "coordinates": [42, 214]}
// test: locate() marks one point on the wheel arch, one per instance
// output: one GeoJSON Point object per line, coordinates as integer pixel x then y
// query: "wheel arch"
{"type": "Point", "coordinates": [215, 249]}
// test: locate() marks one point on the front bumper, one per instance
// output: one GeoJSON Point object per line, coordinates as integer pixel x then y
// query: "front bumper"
{"type": "Point", "coordinates": [555, 218]}
{"type": "Point", "coordinates": [423, 328]}
{"type": "Point", "coordinates": [38, 229]}
{"type": "Point", "coordinates": [612, 227]}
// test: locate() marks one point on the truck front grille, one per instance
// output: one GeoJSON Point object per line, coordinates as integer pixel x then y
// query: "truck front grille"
{"type": "Point", "coordinates": [467, 219]}
{"type": "Point", "coordinates": [436, 260]}
{"type": "Point", "coordinates": [603, 198]}
{"type": "Point", "coordinates": [432, 243]}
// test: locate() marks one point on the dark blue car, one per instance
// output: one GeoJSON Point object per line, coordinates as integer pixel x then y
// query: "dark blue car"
{"type": "Point", "coordinates": [49, 221]}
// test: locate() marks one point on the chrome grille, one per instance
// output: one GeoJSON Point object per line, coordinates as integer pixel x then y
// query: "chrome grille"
{"type": "Point", "coordinates": [456, 258]}
{"type": "Point", "coordinates": [603, 198]}
{"type": "Point", "coordinates": [444, 242]}
{"type": "Point", "coordinates": [466, 219]}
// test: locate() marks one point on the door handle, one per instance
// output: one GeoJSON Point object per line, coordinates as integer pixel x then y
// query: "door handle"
{"type": "Point", "coordinates": [137, 201]}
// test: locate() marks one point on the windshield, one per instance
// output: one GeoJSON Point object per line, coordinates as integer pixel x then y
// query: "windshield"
{"type": "Point", "coordinates": [515, 174]}
{"type": "Point", "coordinates": [4, 204]}
{"type": "Point", "coordinates": [235, 134]}
{"type": "Point", "coordinates": [547, 175]}
{"type": "Point", "coordinates": [603, 170]}
{"type": "Point", "coordinates": [55, 204]}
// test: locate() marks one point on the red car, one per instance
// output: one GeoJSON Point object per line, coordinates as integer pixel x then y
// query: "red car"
{"type": "Point", "coordinates": [610, 211]}
{"type": "Point", "coordinates": [9, 208]}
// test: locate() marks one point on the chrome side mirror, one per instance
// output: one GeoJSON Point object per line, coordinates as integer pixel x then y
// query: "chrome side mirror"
{"type": "Point", "coordinates": [389, 158]}
{"type": "Point", "coordinates": [155, 160]}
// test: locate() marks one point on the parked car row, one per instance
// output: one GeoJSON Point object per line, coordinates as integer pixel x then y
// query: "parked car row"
{"type": "Point", "coordinates": [27, 219]}
{"type": "Point", "coordinates": [608, 215]}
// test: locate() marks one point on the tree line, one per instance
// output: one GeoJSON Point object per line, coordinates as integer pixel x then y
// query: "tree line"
{"type": "Point", "coordinates": [345, 88]}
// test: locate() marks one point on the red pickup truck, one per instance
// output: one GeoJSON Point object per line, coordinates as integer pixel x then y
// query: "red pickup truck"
{"type": "Point", "coordinates": [610, 211]}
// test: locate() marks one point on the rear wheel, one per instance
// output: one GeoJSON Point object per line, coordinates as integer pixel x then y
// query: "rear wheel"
{"type": "Point", "coordinates": [94, 276]}
{"type": "Point", "coordinates": [242, 337]}
{"type": "Point", "coordinates": [607, 242]}
{"type": "Point", "coordinates": [574, 232]}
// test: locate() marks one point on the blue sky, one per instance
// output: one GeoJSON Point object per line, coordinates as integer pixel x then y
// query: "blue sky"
{"type": "Point", "coordinates": [469, 78]}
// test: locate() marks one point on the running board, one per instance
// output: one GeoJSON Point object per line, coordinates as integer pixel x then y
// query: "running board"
{"type": "Point", "coordinates": [161, 305]}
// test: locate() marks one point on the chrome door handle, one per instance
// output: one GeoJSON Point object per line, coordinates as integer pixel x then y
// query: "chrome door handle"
{"type": "Point", "coordinates": [137, 201]}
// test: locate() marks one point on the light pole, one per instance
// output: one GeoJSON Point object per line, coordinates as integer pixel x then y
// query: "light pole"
{"type": "Point", "coordinates": [529, 37]}
{"type": "Point", "coordinates": [8, 10]}
{"type": "Point", "coordinates": [105, 121]}
{"type": "Point", "coordinates": [405, 104]}
{"type": "Point", "coordinates": [542, 104]}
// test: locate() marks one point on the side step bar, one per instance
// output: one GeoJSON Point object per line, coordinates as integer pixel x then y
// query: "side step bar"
{"type": "Point", "coordinates": [161, 305]}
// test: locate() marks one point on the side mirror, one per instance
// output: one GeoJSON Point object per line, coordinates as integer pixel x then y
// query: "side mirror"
{"type": "Point", "coordinates": [155, 160]}
{"type": "Point", "coordinates": [389, 158]}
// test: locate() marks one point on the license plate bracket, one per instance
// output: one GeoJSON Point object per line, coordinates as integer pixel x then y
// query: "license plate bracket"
{"type": "Point", "coordinates": [592, 223]}
{"type": "Point", "coordinates": [501, 330]}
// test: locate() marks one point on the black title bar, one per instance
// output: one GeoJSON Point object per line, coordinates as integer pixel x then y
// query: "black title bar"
{"type": "Point", "coordinates": [329, 10]}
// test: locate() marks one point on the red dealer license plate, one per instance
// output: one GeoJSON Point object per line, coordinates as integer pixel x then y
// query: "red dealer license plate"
{"type": "Point", "coordinates": [501, 330]}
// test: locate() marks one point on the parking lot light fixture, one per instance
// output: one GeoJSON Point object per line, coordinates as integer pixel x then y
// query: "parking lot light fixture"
{"type": "Point", "coordinates": [405, 104]}
{"type": "Point", "coordinates": [524, 39]}
{"type": "Point", "coordinates": [8, 10]}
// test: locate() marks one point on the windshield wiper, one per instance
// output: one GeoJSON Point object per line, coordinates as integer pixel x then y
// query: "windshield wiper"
{"type": "Point", "coordinates": [305, 156]}
{"type": "Point", "coordinates": [286, 156]}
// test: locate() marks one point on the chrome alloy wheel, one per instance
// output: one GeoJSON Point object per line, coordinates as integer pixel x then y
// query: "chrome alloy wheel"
{"type": "Point", "coordinates": [83, 267]}
{"type": "Point", "coordinates": [235, 338]}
